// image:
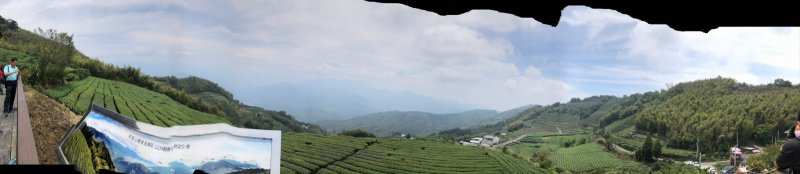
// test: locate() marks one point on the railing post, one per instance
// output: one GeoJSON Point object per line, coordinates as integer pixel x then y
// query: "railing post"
{"type": "Point", "coordinates": [26, 145]}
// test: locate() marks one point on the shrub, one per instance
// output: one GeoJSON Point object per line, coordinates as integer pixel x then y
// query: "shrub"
{"type": "Point", "coordinates": [357, 133]}
{"type": "Point", "coordinates": [515, 127]}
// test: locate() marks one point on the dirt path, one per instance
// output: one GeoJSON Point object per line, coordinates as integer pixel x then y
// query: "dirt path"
{"type": "Point", "coordinates": [50, 120]}
{"type": "Point", "coordinates": [617, 148]}
{"type": "Point", "coordinates": [511, 141]}
{"type": "Point", "coordinates": [620, 149]}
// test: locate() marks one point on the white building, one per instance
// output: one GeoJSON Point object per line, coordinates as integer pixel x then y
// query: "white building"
{"type": "Point", "coordinates": [485, 141]}
{"type": "Point", "coordinates": [467, 143]}
{"type": "Point", "coordinates": [476, 140]}
{"type": "Point", "coordinates": [489, 140]}
{"type": "Point", "coordinates": [472, 141]}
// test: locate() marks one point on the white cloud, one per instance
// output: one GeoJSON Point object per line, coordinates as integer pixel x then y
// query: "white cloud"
{"type": "Point", "coordinates": [661, 55]}
{"type": "Point", "coordinates": [256, 43]}
{"type": "Point", "coordinates": [464, 58]}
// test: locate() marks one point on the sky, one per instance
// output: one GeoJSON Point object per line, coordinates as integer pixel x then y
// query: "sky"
{"type": "Point", "coordinates": [480, 59]}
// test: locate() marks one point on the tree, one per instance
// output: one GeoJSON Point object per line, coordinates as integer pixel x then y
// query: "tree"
{"type": "Point", "coordinates": [408, 136]}
{"type": "Point", "coordinates": [646, 152]}
{"type": "Point", "coordinates": [54, 59]}
{"type": "Point", "coordinates": [7, 26]}
{"type": "Point", "coordinates": [546, 164]}
{"type": "Point", "coordinates": [357, 133]}
{"type": "Point", "coordinates": [657, 149]}
{"type": "Point", "coordinates": [540, 156]}
{"type": "Point", "coordinates": [782, 83]}
{"type": "Point", "coordinates": [515, 127]}
{"type": "Point", "coordinates": [568, 143]}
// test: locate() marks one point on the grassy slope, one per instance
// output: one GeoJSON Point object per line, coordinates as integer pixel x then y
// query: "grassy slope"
{"type": "Point", "coordinates": [306, 153]}
{"type": "Point", "coordinates": [577, 159]}
{"type": "Point", "coordinates": [130, 100]}
{"type": "Point", "coordinates": [77, 151]}
{"type": "Point", "coordinates": [582, 155]}
{"type": "Point", "coordinates": [50, 120]}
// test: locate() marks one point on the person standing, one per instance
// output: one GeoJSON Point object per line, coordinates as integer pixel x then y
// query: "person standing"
{"type": "Point", "coordinates": [11, 73]}
{"type": "Point", "coordinates": [789, 159]}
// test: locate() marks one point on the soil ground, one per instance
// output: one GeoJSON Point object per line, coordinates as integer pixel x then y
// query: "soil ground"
{"type": "Point", "coordinates": [50, 121]}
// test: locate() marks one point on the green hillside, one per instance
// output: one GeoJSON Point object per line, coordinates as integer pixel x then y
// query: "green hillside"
{"type": "Point", "coordinates": [420, 123]}
{"type": "Point", "coordinates": [590, 157]}
{"type": "Point", "coordinates": [717, 110]}
{"type": "Point", "coordinates": [240, 114]}
{"type": "Point", "coordinates": [567, 117]}
{"type": "Point", "coordinates": [49, 61]}
{"type": "Point", "coordinates": [77, 150]}
{"type": "Point", "coordinates": [714, 111]}
{"type": "Point", "coordinates": [572, 152]}
{"type": "Point", "coordinates": [130, 100]}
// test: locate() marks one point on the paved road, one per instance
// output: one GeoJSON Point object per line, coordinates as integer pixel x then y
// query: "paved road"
{"type": "Point", "coordinates": [511, 141]}
{"type": "Point", "coordinates": [8, 133]}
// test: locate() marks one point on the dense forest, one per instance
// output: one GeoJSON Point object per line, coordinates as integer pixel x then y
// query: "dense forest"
{"type": "Point", "coordinates": [719, 111]}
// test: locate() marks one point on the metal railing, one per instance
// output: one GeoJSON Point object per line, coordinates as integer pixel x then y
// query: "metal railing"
{"type": "Point", "coordinates": [26, 145]}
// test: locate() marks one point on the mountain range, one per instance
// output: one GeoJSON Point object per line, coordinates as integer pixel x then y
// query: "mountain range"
{"type": "Point", "coordinates": [339, 100]}
{"type": "Point", "coordinates": [417, 122]}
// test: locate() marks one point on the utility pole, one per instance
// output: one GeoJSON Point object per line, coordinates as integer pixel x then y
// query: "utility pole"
{"type": "Point", "coordinates": [737, 137]}
{"type": "Point", "coordinates": [736, 156]}
{"type": "Point", "coordinates": [775, 138]}
{"type": "Point", "coordinates": [697, 146]}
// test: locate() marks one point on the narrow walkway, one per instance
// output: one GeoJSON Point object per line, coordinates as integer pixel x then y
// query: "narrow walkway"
{"type": "Point", "coordinates": [8, 133]}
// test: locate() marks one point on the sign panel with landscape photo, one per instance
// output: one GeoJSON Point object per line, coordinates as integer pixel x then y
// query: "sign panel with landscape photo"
{"type": "Point", "coordinates": [105, 140]}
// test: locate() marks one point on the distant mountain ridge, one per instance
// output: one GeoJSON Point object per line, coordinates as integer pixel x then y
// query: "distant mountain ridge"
{"type": "Point", "coordinates": [319, 100]}
{"type": "Point", "coordinates": [508, 114]}
{"type": "Point", "coordinates": [240, 113]}
{"type": "Point", "coordinates": [417, 122]}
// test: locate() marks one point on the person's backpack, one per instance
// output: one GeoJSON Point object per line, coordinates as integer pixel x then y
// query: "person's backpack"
{"type": "Point", "coordinates": [3, 72]}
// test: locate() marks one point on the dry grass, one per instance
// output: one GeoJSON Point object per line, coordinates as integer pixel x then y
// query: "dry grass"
{"type": "Point", "coordinates": [50, 121]}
